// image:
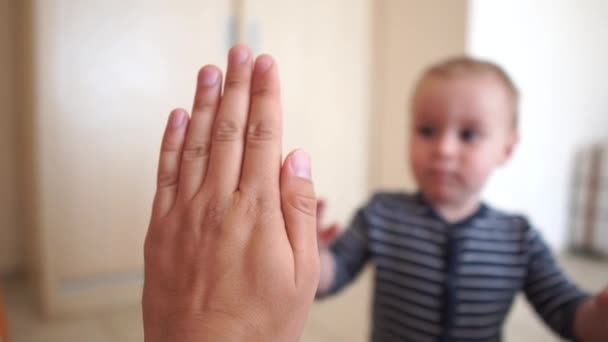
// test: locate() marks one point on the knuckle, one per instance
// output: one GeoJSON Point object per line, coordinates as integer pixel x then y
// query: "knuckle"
{"type": "Point", "coordinates": [204, 105]}
{"type": "Point", "coordinates": [227, 130]}
{"type": "Point", "coordinates": [254, 207]}
{"type": "Point", "coordinates": [235, 82]}
{"type": "Point", "coordinates": [214, 213]}
{"type": "Point", "coordinates": [262, 90]}
{"type": "Point", "coordinates": [166, 178]}
{"type": "Point", "coordinates": [261, 130]}
{"type": "Point", "coordinates": [169, 144]}
{"type": "Point", "coordinates": [246, 204]}
{"type": "Point", "coordinates": [196, 150]}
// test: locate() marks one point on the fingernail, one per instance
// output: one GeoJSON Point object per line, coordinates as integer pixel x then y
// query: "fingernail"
{"type": "Point", "coordinates": [300, 164]}
{"type": "Point", "coordinates": [209, 76]}
{"type": "Point", "coordinates": [263, 63]}
{"type": "Point", "coordinates": [177, 118]}
{"type": "Point", "coordinates": [239, 55]}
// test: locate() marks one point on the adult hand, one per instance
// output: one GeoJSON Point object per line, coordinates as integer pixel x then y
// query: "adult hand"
{"type": "Point", "coordinates": [231, 251]}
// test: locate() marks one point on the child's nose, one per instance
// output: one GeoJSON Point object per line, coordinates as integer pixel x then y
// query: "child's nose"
{"type": "Point", "coordinates": [446, 146]}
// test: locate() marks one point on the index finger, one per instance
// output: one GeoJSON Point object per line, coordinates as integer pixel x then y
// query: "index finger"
{"type": "Point", "coordinates": [262, 159]}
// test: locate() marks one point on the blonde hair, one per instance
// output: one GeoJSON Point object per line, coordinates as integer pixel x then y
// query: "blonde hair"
{"type": "Point", "coordinates": [469, 66]}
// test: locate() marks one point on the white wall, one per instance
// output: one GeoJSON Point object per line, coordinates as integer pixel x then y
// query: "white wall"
{"type": "Point", "coordinates": [557, 52]}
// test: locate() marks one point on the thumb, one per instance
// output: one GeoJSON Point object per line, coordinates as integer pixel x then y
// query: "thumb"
{"type": "Point", "coordinates": [299, 206]}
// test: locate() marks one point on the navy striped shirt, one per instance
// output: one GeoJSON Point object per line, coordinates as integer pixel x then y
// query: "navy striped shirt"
{"type": "Point", "coordinates": [439, 281]}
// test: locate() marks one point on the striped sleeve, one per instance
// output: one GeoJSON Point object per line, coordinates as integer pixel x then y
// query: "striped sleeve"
{"type": "Point", "coordinates": [554, 297]}
{"type": "Point", "coordinates": [350, 251]}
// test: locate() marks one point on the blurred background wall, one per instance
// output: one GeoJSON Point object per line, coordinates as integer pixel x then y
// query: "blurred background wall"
{"type": "Point", "coordinates": [556, 51]}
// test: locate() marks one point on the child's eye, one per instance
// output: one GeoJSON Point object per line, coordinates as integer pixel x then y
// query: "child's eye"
{"type": "Point", "coordinates": [427, 131]}
{"type": "Point", "coordinates": [469, 135]}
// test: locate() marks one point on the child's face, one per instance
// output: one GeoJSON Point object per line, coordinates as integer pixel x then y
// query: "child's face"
{"type": "Point", "coordinates": [462, 129]}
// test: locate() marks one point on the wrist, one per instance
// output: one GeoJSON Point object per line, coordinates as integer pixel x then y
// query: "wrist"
{"type": "Point", "coordinates": [194, 327]}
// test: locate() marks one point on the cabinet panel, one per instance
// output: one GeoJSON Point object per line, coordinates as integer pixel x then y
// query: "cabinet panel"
{"type": "Point", "coordinates": [323, 50]}
{"type": "Point", "coordinates": [106, 75]}
{"type": "Point", "coordinates": [409, 35]}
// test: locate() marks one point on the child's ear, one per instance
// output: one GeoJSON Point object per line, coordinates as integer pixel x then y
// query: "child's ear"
{"type": "Point", "coordinates": [512, 142]}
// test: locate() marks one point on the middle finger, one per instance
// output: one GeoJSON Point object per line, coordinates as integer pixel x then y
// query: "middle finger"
{"type": "Point", "coordinates": [228, 133]}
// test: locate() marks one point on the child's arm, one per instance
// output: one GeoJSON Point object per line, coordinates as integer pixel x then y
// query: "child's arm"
{"type": "Point", "coordinates": [591, 323]}
{"type": "Point", "coordinates": [554, 297]}
{"type": "Point", "coordinates": [341, 262]}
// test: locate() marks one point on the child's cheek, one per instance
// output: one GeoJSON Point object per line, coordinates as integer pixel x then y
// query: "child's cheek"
{"type": "Point", "coordinates": [477, 172]}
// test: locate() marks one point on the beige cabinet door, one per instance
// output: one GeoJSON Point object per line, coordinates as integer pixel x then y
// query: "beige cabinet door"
{"type": "Point", "coordinates": [409, 35]}
{"type": "Point", "coordinates": [106, 73]}
{"type": "Point", "coordinates": [323, 50]}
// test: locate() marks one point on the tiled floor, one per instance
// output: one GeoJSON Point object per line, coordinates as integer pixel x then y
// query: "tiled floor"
{"type": "Point", "coordinates": [343, 318]}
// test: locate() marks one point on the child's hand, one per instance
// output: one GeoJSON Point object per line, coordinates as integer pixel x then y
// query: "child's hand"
{"type": "Point", "coordinates": [231, 251]}
{"type": "Point", "coordinates": [592, 319]}
{"type": "Point", "coordinates": [326, 234]}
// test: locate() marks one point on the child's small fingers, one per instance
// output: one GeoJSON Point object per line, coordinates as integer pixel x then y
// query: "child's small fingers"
{"type": "Point", "coordinates": [169, 161]}
{"type": "Point", "coordinates": [603, 300]}
{"type": "Point", "coordinates": [335, 230]}
{"type": "Point", "coordinates": [327, 235]}
{"type": "Point", "coordinates": [323, 236]}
